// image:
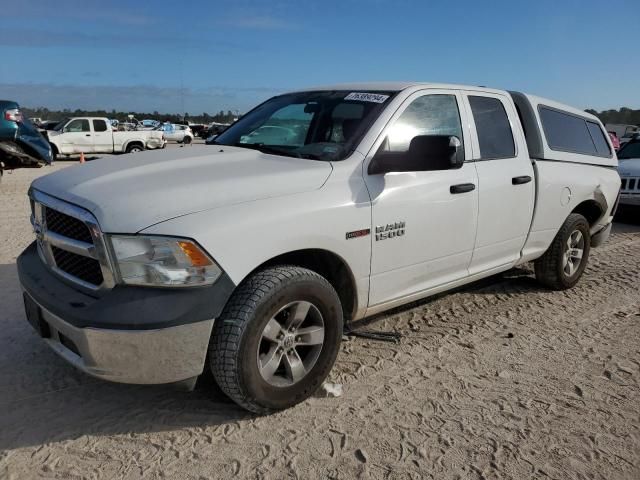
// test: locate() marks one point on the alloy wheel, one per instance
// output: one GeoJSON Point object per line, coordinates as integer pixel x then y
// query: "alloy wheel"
{"type": "Point", "coordinates": [573, 253]}
{"type": "Point", "coordinates": [290, 344]}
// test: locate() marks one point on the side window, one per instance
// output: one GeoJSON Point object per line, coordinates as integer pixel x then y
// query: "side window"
{"type": "Point", "coordinates": [427, 115]}
{"type": "Point", "coordinates": [602, 147]}
{"type": "Point", "coordinates": [570, 133]}
{"type": "Point", "coordinates": [78, 125]}
{"type": "Point", "coordinates": [99, 126]}
{"type": "Point", "coordinates": [494, 131]}
{"type": "Point", "coordinates": [630, 150]}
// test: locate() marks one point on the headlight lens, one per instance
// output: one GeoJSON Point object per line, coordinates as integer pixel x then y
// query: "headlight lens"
{"type": "Point", "coordinates": [163, 261]}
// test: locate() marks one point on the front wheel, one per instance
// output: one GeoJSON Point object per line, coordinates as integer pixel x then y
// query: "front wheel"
{"type": "Point", "coordinates": [54, 153]}
{"type": "Point", "coordinates": [186, 140]}
{"type": "Point", "coordinates": [277, 339]}
{"type": "Point", "coordinates": [564, 262]}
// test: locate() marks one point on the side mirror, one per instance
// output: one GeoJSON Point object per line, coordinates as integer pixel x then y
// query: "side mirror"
{"type": "Point", "coordinates": [425, 153]}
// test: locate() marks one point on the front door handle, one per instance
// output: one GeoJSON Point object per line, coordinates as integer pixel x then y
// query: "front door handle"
{"type": "Point", "coordinates": [520, 180]}
{"type": "Point", "coordinates": [88, 135]}
{"type": "Point", "coordinates": [462, 188]}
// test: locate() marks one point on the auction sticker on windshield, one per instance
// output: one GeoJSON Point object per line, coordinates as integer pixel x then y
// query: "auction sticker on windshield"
{"type": "Point", "coordinates": [367, 97]}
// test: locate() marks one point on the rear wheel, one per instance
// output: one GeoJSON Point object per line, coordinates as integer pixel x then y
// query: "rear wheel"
{"type": "Point", "coordinates": [134, 148]}
{"type": "Point", "coordinates": [186, 140]}
{"type": "Point", "coordinates": [564, 262]}
{"type": "Point", "coordinates": [277, 339]}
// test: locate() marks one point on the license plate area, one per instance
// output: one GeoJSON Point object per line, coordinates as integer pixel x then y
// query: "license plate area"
{"type": "Point", "coordinates": [34, 316]}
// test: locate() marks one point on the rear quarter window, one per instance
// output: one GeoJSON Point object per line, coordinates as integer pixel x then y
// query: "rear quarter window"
{"type": "Point", "coordinates": [99, 126]}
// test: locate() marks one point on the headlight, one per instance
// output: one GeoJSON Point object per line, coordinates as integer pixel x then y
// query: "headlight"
{"type": "Point", "coordinates": [163, 262]}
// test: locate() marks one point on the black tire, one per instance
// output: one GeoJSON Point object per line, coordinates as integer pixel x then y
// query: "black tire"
{"type": "Point", "coordinates": [135, 148]}
{"type": "Point", "coordinates": [550, 268]}
{"type": "Point", "coordinates": [235, 342]}
{"type": "Point", "coordinates": [54, 153]}
{"type": "Point", "coordinates": [186, 140]}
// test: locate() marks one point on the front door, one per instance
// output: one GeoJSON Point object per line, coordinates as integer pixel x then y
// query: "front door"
{"type": "Point", "coordinates": [77, 137]}
{"type": "Point", "coordinates": [506, 177]}
{"type": "Point", "coordinates": [424, 223]}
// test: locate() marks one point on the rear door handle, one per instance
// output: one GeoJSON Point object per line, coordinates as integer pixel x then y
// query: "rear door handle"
{"type": "Point", "coordinates": [462, 188]}
{"type": "Point", "coordinates": [520, 180]}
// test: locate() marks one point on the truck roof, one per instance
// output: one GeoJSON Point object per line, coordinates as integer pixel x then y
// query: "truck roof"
{"type": "Point", "coordinates": [399, 86]}
{"type": "Point", "coordinates": [87, 118]}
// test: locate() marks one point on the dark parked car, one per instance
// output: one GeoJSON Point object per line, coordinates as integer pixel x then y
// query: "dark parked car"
{"type": "Point", "coordinates": [213, 131]}
{"type": "Point", "coordinates": [49, 124]}
{"type": "Point", "coordinates": [21, 144]}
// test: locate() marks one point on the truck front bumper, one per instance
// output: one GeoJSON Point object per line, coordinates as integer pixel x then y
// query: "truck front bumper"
{"type": "Point", "coordinates": [632, 199]}
{"type": "Point", "coordinates": [127, 335]}
{"type": "Point", "coordinates": [165, 355]}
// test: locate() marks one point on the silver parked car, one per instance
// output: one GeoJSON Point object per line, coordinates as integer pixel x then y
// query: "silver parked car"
{"type": "Point", "coordinates": [176, 133]}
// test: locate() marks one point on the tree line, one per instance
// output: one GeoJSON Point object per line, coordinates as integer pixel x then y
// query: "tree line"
{"type": "Point", "coordinates": [47, 114]}
{"type": "Point", "coordinates": [624, 115]}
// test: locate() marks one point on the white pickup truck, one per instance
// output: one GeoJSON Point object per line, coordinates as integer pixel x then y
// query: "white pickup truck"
{"type": "Point", "coordinates": [96, 135]}
{"type": "Point", "coordinates": [248, 257]}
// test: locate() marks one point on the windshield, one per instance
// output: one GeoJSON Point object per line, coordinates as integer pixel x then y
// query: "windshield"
{"type": "Point", "coordinates": [60, 125]}
{"type": "Point", "coordinates": [322, 125]}
{"type": "Point", "coordinates": [630, 150]}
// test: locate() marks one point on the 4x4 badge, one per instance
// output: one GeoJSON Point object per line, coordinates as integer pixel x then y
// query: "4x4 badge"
{"type": "Point", "coordinates": [358, 233]}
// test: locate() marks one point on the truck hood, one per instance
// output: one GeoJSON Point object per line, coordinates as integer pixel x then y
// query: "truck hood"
{"type": "Point", "coordinates": [629, 167]}
{"type": "Point", "coordinates": [130, 193]}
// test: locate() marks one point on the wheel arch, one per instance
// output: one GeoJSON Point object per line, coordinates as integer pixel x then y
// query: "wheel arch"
{"type": "Point", "coordinates": [129, 143]}
{"type": "Point", "coordinates": [326, 263]}
{"type": "Point", "coordinates": [592, 209]}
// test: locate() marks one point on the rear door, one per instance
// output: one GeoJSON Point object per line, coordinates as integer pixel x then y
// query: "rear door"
{"type": "Point", "coordinates": [102, 137]}
{"type": "Point", "coordinates": [77, 137]}
{"type": "Point", "coordinates": [505, 178]}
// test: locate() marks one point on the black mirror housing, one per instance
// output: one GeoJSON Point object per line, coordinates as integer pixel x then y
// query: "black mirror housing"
{"type": "Point", "coordinates": [425, 153]}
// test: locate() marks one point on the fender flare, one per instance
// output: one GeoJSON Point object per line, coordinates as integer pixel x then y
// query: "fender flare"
{"type": "Point", "coordinates": [601, 200]}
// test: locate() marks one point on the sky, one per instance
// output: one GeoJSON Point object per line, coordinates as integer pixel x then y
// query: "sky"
{"type": "Point", "coordinates": [205, 56]}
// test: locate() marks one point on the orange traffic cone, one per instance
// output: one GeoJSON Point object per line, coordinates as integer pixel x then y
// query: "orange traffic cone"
{"type": "Point", "coordinates": [81, 157]}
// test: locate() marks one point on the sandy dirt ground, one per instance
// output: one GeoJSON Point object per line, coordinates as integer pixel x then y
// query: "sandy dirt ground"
{"type": "Point", "coordinates": [499, 380]}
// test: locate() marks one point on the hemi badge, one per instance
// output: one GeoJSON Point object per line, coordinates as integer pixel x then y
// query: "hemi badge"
{"type": "Point", "coordinates": [358, 233]}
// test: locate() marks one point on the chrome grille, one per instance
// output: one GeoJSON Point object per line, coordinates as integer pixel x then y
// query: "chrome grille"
{"type": "Point", "coordinates": [67, 226]}
{"type": "Point", "coordinates": [630, 185]}
{"type": "Point", "coordinates": [84, 268]}
{"type": "Point", "coordinates": [70, 242]}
